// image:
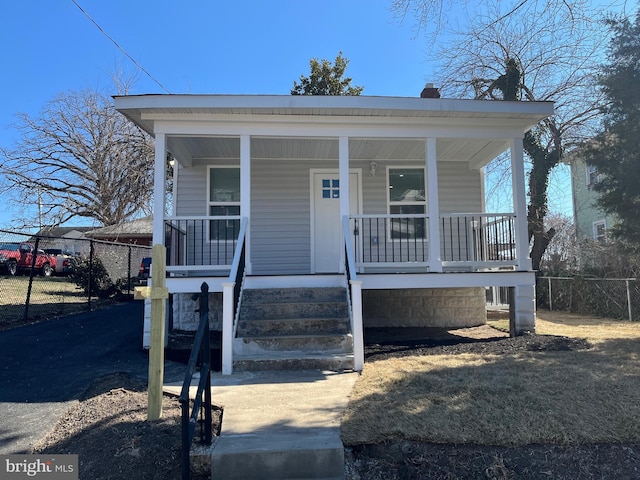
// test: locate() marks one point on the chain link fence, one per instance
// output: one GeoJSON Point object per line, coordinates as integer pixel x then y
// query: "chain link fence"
{"type": "Point", "coordinates": [605, 297]}
{"type": "Point", "coordinates": [66, 275]}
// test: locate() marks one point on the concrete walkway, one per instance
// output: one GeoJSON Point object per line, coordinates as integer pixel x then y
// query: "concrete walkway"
{"type": "Point", "coordinates": [279, 424]}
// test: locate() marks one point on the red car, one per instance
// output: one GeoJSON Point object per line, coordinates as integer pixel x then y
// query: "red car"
{"type": "Point", "coordinates": [18, 257]}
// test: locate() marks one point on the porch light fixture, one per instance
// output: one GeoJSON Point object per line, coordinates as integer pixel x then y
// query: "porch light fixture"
{"type": "Point", "coordinates": [373, 166]}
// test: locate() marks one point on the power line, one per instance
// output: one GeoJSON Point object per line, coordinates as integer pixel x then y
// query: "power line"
{"type": "Point", "coordinates": [119, 47]}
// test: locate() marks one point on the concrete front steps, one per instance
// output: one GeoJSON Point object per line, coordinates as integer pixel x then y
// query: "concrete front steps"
{"type": "Point", "coordinates": [293, 329]}
{"type": "Point", "coordinates": [311, 454]}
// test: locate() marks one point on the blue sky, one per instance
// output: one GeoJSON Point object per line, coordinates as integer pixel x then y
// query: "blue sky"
{"type": "Point", "coordinates": [202, 46]}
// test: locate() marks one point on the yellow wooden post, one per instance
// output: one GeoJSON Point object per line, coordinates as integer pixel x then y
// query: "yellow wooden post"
{"type": "Point", "coordinates": [158, 293]}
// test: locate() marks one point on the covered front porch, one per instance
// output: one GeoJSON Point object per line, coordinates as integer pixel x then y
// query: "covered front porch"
{"type": "Point", "coordinates": [365, 193]}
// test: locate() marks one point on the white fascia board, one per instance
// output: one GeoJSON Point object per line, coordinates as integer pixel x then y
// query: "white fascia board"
{"type": "Point", "coordinates": [330, 102]}
{"type": "Point", "coordinates": [193, 284]}
{"type": "Point", "coordinates": [455, 123]}
{"type": "Point", "coordinates": [332, 130]}
{"type": "Point", "coordinates": [446, 280]}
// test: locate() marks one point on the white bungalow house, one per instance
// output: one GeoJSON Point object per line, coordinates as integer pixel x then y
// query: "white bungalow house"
{"type": "Point", "coordinates": [280, 199]}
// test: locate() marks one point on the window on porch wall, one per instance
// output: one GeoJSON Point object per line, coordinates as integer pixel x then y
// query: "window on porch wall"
{"type": "Point", "coordinates": [224, 200]}
{"type": "Point", "coordinates": [407, 197]}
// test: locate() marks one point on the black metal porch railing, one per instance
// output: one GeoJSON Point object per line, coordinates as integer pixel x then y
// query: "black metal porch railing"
{"type": "Point", "coordinates": [381, 239]}
{"type": "Point", "coordinates": [472, 239]}
{"type": "Point", "coordinates": [200, 241]}
{"type": "Point", "coordinates": [478, 238]}
{"type": "Point", "coordinates": [200, 355]}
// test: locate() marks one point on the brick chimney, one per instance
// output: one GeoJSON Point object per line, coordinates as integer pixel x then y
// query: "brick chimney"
{"type": "Point", "coordinates": [429, 91]}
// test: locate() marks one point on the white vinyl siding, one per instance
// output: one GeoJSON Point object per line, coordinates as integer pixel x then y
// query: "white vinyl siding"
{"type": "Point", "coordinates": [191, 191]}
{"type": "Point", "coordinates": [280, 216]}
{"type": "Point", "coordinates": [459, 189]}
{"type": "Point", "coordinates": [280, 203]}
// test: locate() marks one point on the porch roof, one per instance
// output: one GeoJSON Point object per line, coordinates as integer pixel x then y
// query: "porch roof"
{"type": "Point", "coordinates": [142, 109]}
{"type": "Point", "coordinates": [471, 130]}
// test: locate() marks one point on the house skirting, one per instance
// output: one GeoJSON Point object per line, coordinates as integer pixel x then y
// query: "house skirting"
{"type": "Point", "coordinates": [185, 314]}
{"type": "Point", "coordinates": [424, 307]}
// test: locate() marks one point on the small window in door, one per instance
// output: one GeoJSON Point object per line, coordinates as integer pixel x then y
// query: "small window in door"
{"type": "Point", "coordinates": [330, 188]}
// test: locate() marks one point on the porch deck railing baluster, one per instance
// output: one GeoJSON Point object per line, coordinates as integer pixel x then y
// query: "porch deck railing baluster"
{"type": "Point", "coordinates": [468, 241]}
{"type": "Point", "coordinates": [201, 242]}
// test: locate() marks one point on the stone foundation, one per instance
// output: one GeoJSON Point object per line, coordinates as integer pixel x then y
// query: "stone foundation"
{"type": "Point", "coordinates": [185, 316]}
{"type": "Point", "coordinates": [434, 307]}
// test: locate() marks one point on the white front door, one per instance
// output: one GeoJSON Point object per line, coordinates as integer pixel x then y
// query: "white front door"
{"type": "Point", "coordinates": [326, 245]}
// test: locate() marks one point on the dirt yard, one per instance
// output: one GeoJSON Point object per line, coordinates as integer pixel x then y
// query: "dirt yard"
{"type": "Point", "coordinates": [109, 431]}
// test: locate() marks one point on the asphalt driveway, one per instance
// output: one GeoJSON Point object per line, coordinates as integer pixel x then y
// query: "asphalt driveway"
{"type": "Point", "coordinates": [47, 366]}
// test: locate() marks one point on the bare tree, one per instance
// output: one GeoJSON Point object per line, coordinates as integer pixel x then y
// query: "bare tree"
{"type": "Point", "coordinates": [440, 16]}
{"type": "Point", "coordinates": [561, 256]}
{"type": "Point", "coordinates": [79, 158]}
{"type": "Point", "coordinates": [539, 51]}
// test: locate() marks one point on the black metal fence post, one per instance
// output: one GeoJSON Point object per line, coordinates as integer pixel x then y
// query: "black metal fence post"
{"type": "Point", "coordinates": [90, 279]}
{"type": "Point", "coordinates": [31, 273]}
{"type": "Point", "coordinates": [129, 271]}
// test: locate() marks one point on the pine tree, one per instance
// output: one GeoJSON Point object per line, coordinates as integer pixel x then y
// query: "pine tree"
{"type": "Point", "coordinates": [326, 79]}
{"type": "Point", "coordinates": [615, 152]}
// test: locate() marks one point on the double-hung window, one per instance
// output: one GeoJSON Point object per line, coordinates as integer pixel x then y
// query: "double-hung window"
{"type": "Point", "coordinates": [600, 230]}
{"type": "Point", "coordinates": [224, 200]}
{"type": "Point", "coordinates": [407, 197]}
{"type": "Point", "coordinates": [592, 175]}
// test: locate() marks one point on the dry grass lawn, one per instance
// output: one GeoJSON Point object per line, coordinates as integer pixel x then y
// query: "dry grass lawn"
{"type": "Point", "coordinates": [50, 297]}
{"type": "Point", "coordinates": [530, 397]}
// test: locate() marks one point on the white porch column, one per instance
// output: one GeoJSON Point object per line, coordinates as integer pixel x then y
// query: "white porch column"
{"type": "Point", "coordinates": [433, 207]}
{"type": "Point", "coordinates": [522, 310]}
{"type": "Point", "coordinates": [159, 185]}
{"type": "Point", "coordinates": [245, 192]}
{"type": "Point", "coordinates": [343, 165]}
{"type": "Point", "coordinates": [357, 328]}
{"type": "Point", "coordinates": [520, 205]}
{"type": "Point", "coordinates": [227, 327]}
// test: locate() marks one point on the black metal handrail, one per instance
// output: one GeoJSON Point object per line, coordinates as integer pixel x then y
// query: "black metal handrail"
{"type": "Point", "coordinates": [349, 262]}
{"type": "Point", "coordinates": [200, 354]}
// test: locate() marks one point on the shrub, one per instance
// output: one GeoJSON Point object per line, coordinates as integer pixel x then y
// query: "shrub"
{"type": "Point", "coordinates": [99, 284]}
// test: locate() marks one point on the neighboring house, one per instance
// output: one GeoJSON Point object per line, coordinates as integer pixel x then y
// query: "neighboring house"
{"type": "Point", "coordinates": [69, 239]}
{"type": "Point", "coordinates": [382, 197]}
{"type": "Point", "coordinates": [136, 232]}
{"type": "Point", "coordinates": [590, 222]}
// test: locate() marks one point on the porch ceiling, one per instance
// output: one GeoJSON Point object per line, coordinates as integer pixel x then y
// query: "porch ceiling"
{"type": "Point", "coordinates": [307, 127]}
{"type": "Point", "coordinates": [477, 152]}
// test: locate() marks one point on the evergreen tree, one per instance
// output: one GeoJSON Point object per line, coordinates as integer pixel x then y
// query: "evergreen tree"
{"type": "Point", "coordinates": [615, 152]}
{"type": "Point", "coordinates": [326, 79]}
